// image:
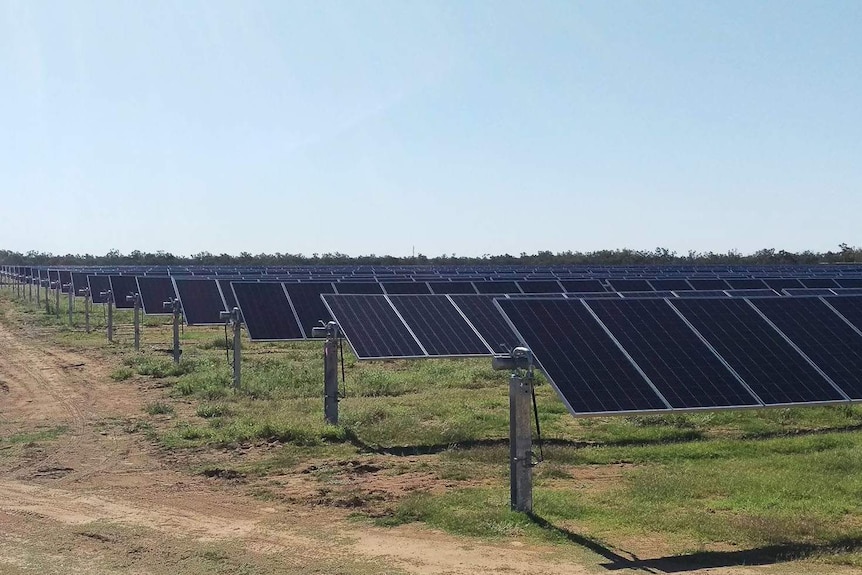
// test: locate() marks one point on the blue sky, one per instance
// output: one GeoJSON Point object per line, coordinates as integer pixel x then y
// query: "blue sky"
{"type": "Point", "coordinates": [453, 127]}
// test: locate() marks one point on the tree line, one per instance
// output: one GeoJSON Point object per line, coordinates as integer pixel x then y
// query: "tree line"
{"type": "Point", "coordinates": [844, 254]}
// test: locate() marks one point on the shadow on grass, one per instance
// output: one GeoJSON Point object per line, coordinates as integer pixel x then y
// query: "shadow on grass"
{"type": "Point", "coordinates": [766, 555]}
{"type": "Point", "coordinates": [432, 449]}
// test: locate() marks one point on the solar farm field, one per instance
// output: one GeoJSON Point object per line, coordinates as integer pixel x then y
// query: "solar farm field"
{"type": "Point", "coordinates": [144, 465]}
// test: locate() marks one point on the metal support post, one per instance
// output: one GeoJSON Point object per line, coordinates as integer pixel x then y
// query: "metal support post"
{"type": "Point", "coordinates": [232, 317]}
{"type": "Point", "coordinates": [38, 292]}
{"type": "Point", "coordinates": [330, 374]}
{"type": "Point", "coordinates": [58, 289]}
{"type": "Point", "coordinates": [136, 300]}
{"type": "Point", "coordinates": [30, 288]}
{"type": "Point", "coordinates": [71, 303]}
{"type": "Point", "coordinates": [176, 311]}
{"type": "Point", "coordinates": [520, 443]}
{"type": "Point", "coordinates": [86, 293]}
{"type": "Point", "coordinates": [108, 298]}
{"type": "Point", "coordinates": [520, 363]}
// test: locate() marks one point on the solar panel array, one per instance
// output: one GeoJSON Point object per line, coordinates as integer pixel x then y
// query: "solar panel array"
{"type": "Point", "coordinates": [611, 356]}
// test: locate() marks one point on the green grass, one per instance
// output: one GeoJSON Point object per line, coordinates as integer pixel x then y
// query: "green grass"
{"type": "Point", "coordinates": [749, 479]}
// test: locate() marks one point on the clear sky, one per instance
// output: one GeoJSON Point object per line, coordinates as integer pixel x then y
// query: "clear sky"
{"type": "Point", "coordinates": [472, 127]}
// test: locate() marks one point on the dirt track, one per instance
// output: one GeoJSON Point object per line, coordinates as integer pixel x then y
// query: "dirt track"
{"type": "Point", "coordinates": [99, 499]}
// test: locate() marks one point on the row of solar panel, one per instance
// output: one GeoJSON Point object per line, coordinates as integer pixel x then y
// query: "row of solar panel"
{"type": "Point", "coordinates": [620, 356]}
{"type": "Point", "coordinates": [548, 285]}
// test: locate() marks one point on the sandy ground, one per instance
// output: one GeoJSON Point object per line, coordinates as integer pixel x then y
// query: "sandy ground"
{"type": "Point", "coordinates": [97, 498]}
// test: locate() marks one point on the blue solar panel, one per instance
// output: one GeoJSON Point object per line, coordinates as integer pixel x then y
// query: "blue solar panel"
{"type": "Point", "coordinates": [581, 360]}
{"type": "Point", "coordinates": [541, 287]}
{"type": "Point", "coordinates": [201, 300]}
{"type": "Point", "coordinates": [438, 325]}
{"type": "Point", "coordinates": [454, 287]}
{"type": "Point", "coordinates": [670, 284]}
{"type": "Point", "coordinates": [267, 312]}
{"type": "Point", "coordinates": [485, 317]}
{"type": "Point", "coordinates": [710, 284]}
{"type": "Point", "coordinates": [850, 307]}
{"type": "Point", "coordinates": [684, 369]}
{"type": "Point", "coordinates": [123, 286]}
{"type": "Point", "coordinates": [496, 287]}
{"type": "Point", "coordinates": [581, 286]}
{"type": "Point", "coordinates": [155, 291]}
{"type": "Point", "coordinates": [701, 293]}
{"type": "Point", "coordinates": [406, 287]}
{"type": "Point", "coordinates": [821, 334]}
{"type": "Point", "coordinates": [309, 308]}
{"type": "Point", "coordinates": [372, 327]}
{"type": "Point", "coordinates": [751, 293]}
{"type": "Point", "coordinates": [622, 285]}
{"type": "Point", "coordinates": [770, 366]}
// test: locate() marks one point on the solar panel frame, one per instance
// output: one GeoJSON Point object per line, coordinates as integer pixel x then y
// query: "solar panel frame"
{"type": "Point", "coordinates": [708, 284]}
{"type": "Point", "coordinates": [582, 285]}
{"type": "Point", "coordinates": [497, 287]}
{"type": "Point", "coordinates": [358, 288]}
{"type": "Point", "coordinates": [630, 285]}
{"type": "Point", "coordinates": [405, 288]}
{"type": "Point", "coordinates": [451, 287]}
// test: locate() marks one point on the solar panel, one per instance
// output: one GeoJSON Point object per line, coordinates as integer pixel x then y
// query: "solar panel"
{"type": "Point", "coordinates": [227, 293]}
{"type": "Point", "coordinates": [630, 285]}
{"type": "Point", "coordinates": [647, 294]}
{"type": "Point", "coordinates": [266, 311]}
{"type": "Point", "coordinates": [710, 284]}
{"type": "Point", "coordinates": [770, 366]}
{"type": "Point", "coordinates": [746, 283]}
{"type": "Point", "coordinates": [358, 288]}
{"type": "Point", "coordinates": [496, 287]}
{"type": "Point", "coordinates": [818, 282]}
{"type": "Point", "coordinates": [123, 286]}
{"type": "Point", "coordinates": [701, 293]}
{"type": "Point", "coordinates": [154, 292]}
{"type": "Point", "coordinates": [821, 334]}
{"type": "Point", "coordinates": [850, 307]}
{"type": "Point", "coordinates": [201, 301]}
{"type": "Point", "coordinates": [779, 284]}
{"type": "Point", "coordinates": [847, 291]}
{"type": "Point", "coordinates": [453, 287]}
{"type": "Point", "coordinates": [751, 293]}
{"type": "Point", "coordinates": [808, 291]}
{"type": "Point", "coordinates": [372, 327]}
{"type": "Point", "coordinates": [309, 308]}
{"type": "Point", "coordinates": [589, 371]}
{"type": "Point", "coordinates": [79, 281]}
{"type": "Point", "coordinates": [594, 295]}
{"type": "Point", "coordinates": [65, 280]}
{"type": "Point", "coordinates": [680, 365]}
{"type": "Point", "coordinates": [406, 288]}
{"type": "Point", "coordinates": [97, 285]}
{"type": "Point", "coordinates": [580, 286]}
{"type": "Point", "coordinates": [670, 284]}
{"type": "Point", "coordinates": [849, 282]}
{"type": "Point", "coordinates": [543, 286]}
{"type": "Point", "coordinates": [485, 317]}
{"type": "Point", "coordinates": [439, 326]}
